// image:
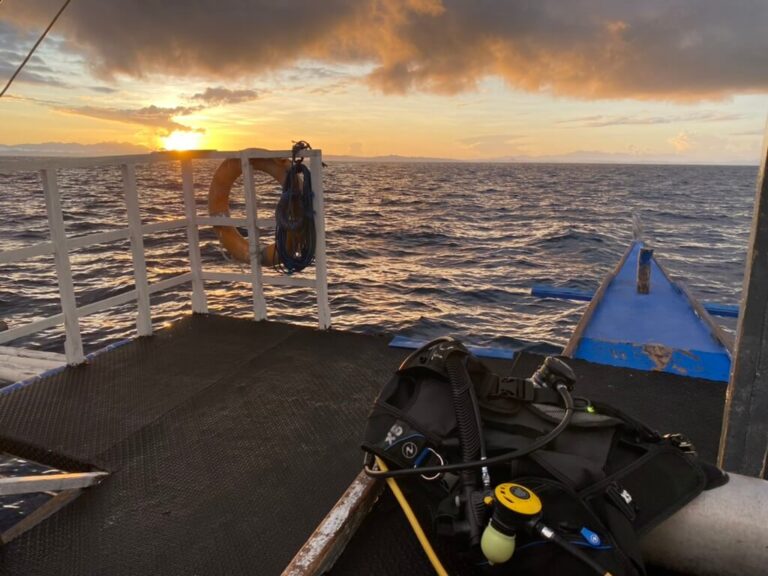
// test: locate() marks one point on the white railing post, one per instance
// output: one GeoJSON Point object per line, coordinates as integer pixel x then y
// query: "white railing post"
{"type": "Point", "coordinates": [254, 246]}
{"type": "Point", "coordinates": [73, 343]}
{"type": "Point", "coordinates": [136, 235]}
{"type": "Point", "coordinates": [321, 266]}
{"type": "Point", "coordinates": [199, 303]}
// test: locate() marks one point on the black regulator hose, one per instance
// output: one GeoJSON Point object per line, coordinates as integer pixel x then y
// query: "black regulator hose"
{"type": "Point", "coordinates": [552, 536]}
{"type": "Point", "coordinates": [471, 442]}
{"type": "Point", "coordinates": [540, 442]}
{"type": "Point", "coordinates": [465, 407]}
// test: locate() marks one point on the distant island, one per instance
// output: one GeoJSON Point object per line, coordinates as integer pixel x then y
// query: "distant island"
{"type": "Point", "coordinates": [75, 149]}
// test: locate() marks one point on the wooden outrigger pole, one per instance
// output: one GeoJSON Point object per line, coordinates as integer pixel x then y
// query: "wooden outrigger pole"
{"type": "Point", "coordinates": [744, 438]}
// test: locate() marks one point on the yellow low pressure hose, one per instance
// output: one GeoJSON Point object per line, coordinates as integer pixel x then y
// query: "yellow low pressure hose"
{"type": "Point", "coordinates": [413, 521]}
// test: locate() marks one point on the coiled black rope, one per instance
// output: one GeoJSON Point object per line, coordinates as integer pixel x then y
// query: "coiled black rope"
{"type": "Point", "coordinates": [295, 221]}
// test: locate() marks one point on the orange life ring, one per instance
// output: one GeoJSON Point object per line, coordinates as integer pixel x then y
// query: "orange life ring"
{"type": "Point", "coordinates": [218, 205]}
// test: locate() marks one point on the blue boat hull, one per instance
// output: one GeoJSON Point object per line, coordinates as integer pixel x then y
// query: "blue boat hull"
{"type": "Point", "coordinates": [665, 330]}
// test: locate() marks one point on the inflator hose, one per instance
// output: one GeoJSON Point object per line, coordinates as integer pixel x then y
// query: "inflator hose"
{"type": "Point", "coordinates": [413, 521]}
{"type": "Point", "coordinates": [541, 441]}
{"type": "Point", "coordinates": [553, 536]}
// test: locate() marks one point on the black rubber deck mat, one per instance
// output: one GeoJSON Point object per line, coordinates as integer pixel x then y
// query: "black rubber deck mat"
{"type": "Point", "coordinates": [84, 411]}
{"type": "Point", "coordinates": [229, 440]}
{"type": "Point", "coordinates": [229, 477]}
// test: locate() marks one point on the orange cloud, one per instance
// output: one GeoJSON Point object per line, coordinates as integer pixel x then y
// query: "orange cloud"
{"type": "Point", "coordinates": [681, 142]}
{"type": "Point", "coordinates": [585, 48]}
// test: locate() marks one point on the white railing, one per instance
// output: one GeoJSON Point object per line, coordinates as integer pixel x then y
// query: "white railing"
{"type": "Point", "coordinates": [60, 246]}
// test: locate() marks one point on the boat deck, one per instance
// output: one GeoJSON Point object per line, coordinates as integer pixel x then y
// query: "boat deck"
{"type": "Point", "coordinates": [227, 441]}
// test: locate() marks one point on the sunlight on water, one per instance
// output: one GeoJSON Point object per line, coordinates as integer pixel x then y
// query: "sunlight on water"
{"type": "Point", "coordinates": [418, 249]}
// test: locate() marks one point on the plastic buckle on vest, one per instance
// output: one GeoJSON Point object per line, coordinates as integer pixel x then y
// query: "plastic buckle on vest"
{"type": "Point", "coordinates": [517, 388]}
{"type": "Point", "coordinates": [682, 443]}
{"type": "Point", "coordinates": [622, 499]}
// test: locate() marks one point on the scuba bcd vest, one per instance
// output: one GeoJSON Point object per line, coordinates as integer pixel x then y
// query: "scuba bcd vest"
{"type": "Point", "coordinates": [478, 443]}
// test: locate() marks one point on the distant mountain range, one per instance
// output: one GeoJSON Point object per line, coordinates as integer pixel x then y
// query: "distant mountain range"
{"type": "Point", "coordinates": [392, 158]}
{"type": "Point", "coordinates": [72, 149]}
{"type": "Point", "coordinates": [578, 157]}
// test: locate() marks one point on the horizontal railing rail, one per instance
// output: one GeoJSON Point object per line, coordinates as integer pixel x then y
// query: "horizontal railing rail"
{"type": "Point", "coordinates": [60, 245]}
{"type": "Point", "coordinates": [45, 163]}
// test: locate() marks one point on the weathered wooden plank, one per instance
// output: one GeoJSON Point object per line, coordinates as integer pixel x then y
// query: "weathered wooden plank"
{"type": "Point", "coordinates": [744, 438]}
{"type": "Point", "coordinates": [39, 364]}
{"type": "Point", "coordinates": [320, 552]}
{"type": "Point", "coordinates": [49, 482]}
{"type": "Point", "coordinates": [28, 353]}
{"type": "Point", "coordinates": [15, 374]}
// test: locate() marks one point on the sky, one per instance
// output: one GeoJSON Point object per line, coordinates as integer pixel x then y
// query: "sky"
{"type": "Point", "coordinates": [682, 81]}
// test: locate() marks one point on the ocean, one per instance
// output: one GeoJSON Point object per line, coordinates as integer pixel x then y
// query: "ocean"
{"type": "Point", "coordinates": [418, 249]}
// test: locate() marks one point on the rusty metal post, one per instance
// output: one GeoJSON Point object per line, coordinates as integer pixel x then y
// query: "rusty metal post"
{"type": "Point", "coordinates": [744, 438]}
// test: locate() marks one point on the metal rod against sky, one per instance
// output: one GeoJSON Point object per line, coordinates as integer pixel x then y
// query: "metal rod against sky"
{"type": "Point", "coordinates": [39, 40]}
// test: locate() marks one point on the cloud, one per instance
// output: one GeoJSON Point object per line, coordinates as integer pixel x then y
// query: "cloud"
{"type": "Point", "coordinates": [654, 49]}
{"type": "Point", "coordinates": [162, 119]}
{"type": "Point", "coordinates": [103, 89]}
{"type": "Point", "coordinates": [31, 73]}
{"type": "Point", "coordinates": [152, 116]}
{"type": "Point", "coordinates": [681, 142]}
{"type": "Point", "coordinates": [749, 133]}
{"type": "Point", "coordinates": [601, 121]}
{"type": "Point", "coordinates": [14, 45]}
{"type": "Point", "coordinates": [220, 96]}
{"type": "Point", "coordinates": [489, 140]}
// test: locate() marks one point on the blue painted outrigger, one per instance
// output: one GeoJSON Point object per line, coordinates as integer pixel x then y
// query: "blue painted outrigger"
{"type": "Point", "coordinates": [665, 330]}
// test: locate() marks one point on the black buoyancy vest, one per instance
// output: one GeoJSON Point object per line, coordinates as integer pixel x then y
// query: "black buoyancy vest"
{"type": "Point", "coordinates": [607, 478]}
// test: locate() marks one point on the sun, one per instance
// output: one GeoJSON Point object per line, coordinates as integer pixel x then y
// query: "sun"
{"type": "Point", "coordinates": [182, 140]}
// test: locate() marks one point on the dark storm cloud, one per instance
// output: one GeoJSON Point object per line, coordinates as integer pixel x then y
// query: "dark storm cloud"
{"type": "Point", "coordinates": [666, 49]}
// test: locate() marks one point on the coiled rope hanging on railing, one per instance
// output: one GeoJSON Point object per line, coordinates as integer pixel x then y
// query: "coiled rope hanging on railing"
{"type": "Point", "coordinates": [295, 236]}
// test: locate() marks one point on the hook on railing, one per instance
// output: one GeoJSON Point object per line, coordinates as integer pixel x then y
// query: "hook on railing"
{"type": "Point", "coordinates": [298, 147]}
